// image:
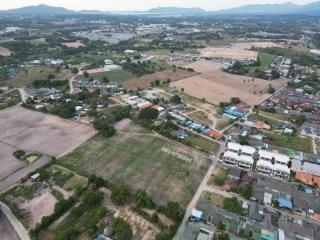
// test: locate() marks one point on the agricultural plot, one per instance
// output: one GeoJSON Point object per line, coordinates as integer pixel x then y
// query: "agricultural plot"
{"type": "Point", "coordinates": [9, 99]}
{"type": "Point", "coordinates": [249, 45]}
{"type": "Point", "coordinates": [5, 52]}
{"type": "Point", "coordinates": [145, 81]}
{"type": "Point", "coordinates": [230, 53]}
{"type": "Point", "coordinates": [25, 77]}
{"type": "Point", "coordinates": [216, 86]}
{"type": "Point", "coordinates": [167, 171]}
{"type": "Point", "coordinates": [38, 132]}
{"type": "Point", "coordinates": [116, 76]}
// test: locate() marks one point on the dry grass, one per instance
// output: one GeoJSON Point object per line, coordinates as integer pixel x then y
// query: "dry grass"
{"type": "Point", "coordinates": [5, 52]}
{"type": "Point", "coordinates": [145, 81]}
{"type": "Point", "coordinates": [216, 86]}
{"type": "Point", "coordinates": [231, 53]}
{"type": "Point", "coordinates": [214, 198]}
{"type": "Point", "coordinates": [39, 132]}
{"type": "Point", "coordinates": [75, 44]}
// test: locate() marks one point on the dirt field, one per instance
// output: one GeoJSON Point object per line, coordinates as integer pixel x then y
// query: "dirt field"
{"type": "Point", "coordinates": [231, 53]}
{"type": "Point", "coordinates": [7, 232]}
{"type": "Point", "coordinates": [5, 52]}
{"type": "Point", "coordinates": [38, 132]}
{"type": "Point", "coordinates": [136, 155]}
{"type": "Point", "coordinates": [39, 207]}
{"type": "Point", "coordinates": [145, 81]}
{"type": "Point", "coordinates": [9, 164]}
{"type": "Point", "coordinates": [141, 228]}
{"type": "Point", "coordinates": [248, 45]}
{"type": "Point", "coordinates": [75, 44]}
{"type": "Point", "coordinates": [217, 86]}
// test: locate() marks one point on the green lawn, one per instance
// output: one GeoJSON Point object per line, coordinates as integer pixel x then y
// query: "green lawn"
{"type": "Point", "coordinates": [298, 143]}
{"type": "Point", "coordinates": [140, 160]}
{"type": "Point", "coordinates": [117, 76]}
{"type": "Point", "coordinates": [265, 59]}
{"type": "Point", "coordinates": [203, 143]}
{"type": "Point", "coordinates": [266, 120]}
{"type": "Point", "coordinates": [27, 76]}
{"type": "Point", "coordinates": [31, 158]}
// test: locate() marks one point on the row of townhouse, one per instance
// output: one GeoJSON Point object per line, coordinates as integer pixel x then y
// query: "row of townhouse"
{"type": "Point", "coordinates": [273, 164]}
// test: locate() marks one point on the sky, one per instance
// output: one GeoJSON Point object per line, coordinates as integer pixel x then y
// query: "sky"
{"type": "Point", "coordinates": [112, 5]}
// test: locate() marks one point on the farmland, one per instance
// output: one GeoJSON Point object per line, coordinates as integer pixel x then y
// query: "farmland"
{"type": "Point", "coordinates": [145, 81]}
{"type": "Point", "coordinates": [233, 53]}
{"type": "Point", "coordinates": [5, 52]}
{"type": "Point", "coordinates": [116, 76]}
{"type": "Point", "coordinates": [27, 76]}
{"type": "Point", "coordinates": [216, 86]}
{"type": "Point", "coordinates": [38, 132]}
{"type": "Point", "coordinates": [137, 156]}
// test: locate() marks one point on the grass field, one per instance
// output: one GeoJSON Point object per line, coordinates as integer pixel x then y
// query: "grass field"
{"type": "Point", "coordinates": [116, 76]}
{"type": "Point", "coordinates": [203, 143]}
{"type": "Point", "coordinates": [267, 120]}
{"type": "Point", "coordinates": [31, 158]}
{"type": "Point", "coordinates": [139, 159]}
{"type": "Point", "coordinates": [200, 116]}
{"type": "Point", "coordinates": [297, 142]}
{"type": "Point", "coordinates": [26, 77]}
{"type": "Point", "coordinates": [265, 59]}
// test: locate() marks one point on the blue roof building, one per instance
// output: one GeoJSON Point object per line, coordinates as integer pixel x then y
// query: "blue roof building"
{"type": "Point", "coordinates": [285, 203]}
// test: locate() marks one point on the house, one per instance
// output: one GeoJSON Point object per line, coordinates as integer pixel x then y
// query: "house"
{"type": "Point", "coordinates": [267, 199]}
{"type": "Point", "coordinates": [235, 174]}
{"type": "Point", "coordinates": [196, 215]}
{"type": "Point", "coordinates": [255, 213]}
{"type": "Point", "coordinates": [285, 203]}
{"type": "Point", "coordinates": [215, 134]}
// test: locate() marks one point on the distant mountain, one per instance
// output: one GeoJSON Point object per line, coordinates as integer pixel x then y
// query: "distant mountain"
{"type": "Point", "coordinates": [176, 10]}
{"type": "Point", "coordinates": [273, 9]}
{"type": "Point", "coordinates": [253, 9]}
{"type": "Point", "coordinates": [41, 10]}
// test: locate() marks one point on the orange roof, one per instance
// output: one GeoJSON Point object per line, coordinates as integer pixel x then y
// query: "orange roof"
{"type": "Point", "coordinates": [215, 134]}
{"type": "Point", "coordinates": [147, 105]}
{"type": "Point", "coordinates": [316, 180]}
{"type": "Point", "coordinates": [261, 125]}
{"type": "Point", "coordinates": [316, 216]}
{"type": "Point", "coordinates": [304, 177]}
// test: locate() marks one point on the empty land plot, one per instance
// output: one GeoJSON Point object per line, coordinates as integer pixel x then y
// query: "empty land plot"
{"type": "Point", "coordinates": [145, 81]}
{"type": "Point", "coordinates": [217, 86]}
{"type": "Point", "coordinates": [5, 52]}
{"type": "Point", "coordinates": [230, 53]}
{"type": "Point", "coordinates": [44, 133]}
{"type": "Point", "coordinates": [75, 44]}
{"type": "Point", "coordinates": [115, 76]}
{"type": "Point", "coordinates": [7, 232]}
{"type": "Point", "coordinates": [9, 164]}
{"type": "Point", "coordinates": [144, 161]}
{"type": "Point", "coordinates": [27, 76]}
{"type": "Point", "coordinates": [249, 45]}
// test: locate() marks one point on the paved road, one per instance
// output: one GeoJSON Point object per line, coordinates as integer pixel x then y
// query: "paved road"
{"type": "Point", "coordinates": [202, 187]}
{"type": "Point", "coordinates": [18, 227]}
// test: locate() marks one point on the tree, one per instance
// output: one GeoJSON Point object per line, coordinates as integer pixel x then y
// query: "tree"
{"type": "Point", "coordinates": [175, 99]}
{"type": "Point", "coordinates": [141, 199]}
{"type": "Point", "coordinates": [92, 198]}
{"type": "Point", "coordinates": [148, 114]}
{"type": "Point", "coordinates": [157, 82]}
{"type": "Point", "coordinates": [182, 90]}
{"type": "Point", "coordinates": [122, 229]}
{"type": "Point", "coordinates": [271, 90]}
{"type": "Point", "coordinates": [19, 154]}
{"type": "Point", "coordinates": [86, 74]}
{"type": "Point", "coordinates": [104, 127]}
{"type": "Point", "coordinates": [105, 79]}
{"type": "Point", "coordinates": [121, 193]}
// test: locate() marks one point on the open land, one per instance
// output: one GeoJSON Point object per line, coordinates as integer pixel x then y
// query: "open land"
{"type": "Point", "coordinates": [5, 52]}
{"type": "Point", "coordinates": [217, 86]}
{"type": "Point", "coordinates": [233, 53]}
{"type": "Point", "coordinates": [146, 80]}
{"type": "Point", "coordinates": [38, 132]}
{"type": "Point", "coordinates": [75, 44]}
{"type": "Point", "coordinates": [27, 76]}
{"type": "Point", "coordinates": [6, 230]}
{"type": "Point", "coordinates": [114, 76]}
{"type": "Point", "coordinates": [137, 157]}
{"type": "Point", "coordinates": [249, 45]}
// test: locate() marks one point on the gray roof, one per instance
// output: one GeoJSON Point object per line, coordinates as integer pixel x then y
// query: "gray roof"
{"type": "Point", "coordinates": [311, 168]}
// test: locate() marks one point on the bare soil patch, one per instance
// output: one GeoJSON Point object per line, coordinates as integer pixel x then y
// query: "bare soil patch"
{"type": "Point", "coordinates": [5, 52]}
{"type": "Point", "coordinates": [38, 132]}
{"type": "Point", "coordinates": [9, 164]}
{"type": "Point", "coordinates": [42, 205]}
{"type": "Point", "coordinates": [75, 44]}
{"type": "Point", "coordinates": [146, 80]}
{"type": "Point", "coordinates": [216, 86]}
{"type": "Point", "coordinates": [230, 53]}
{"type": "Point", "coordinates": [249, 45]}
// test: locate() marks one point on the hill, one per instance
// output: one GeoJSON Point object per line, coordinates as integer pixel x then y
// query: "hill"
{"type": "Point", "coordinates": [41, 10]}
{"type": "Point", "coordinates": [176, 10]}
